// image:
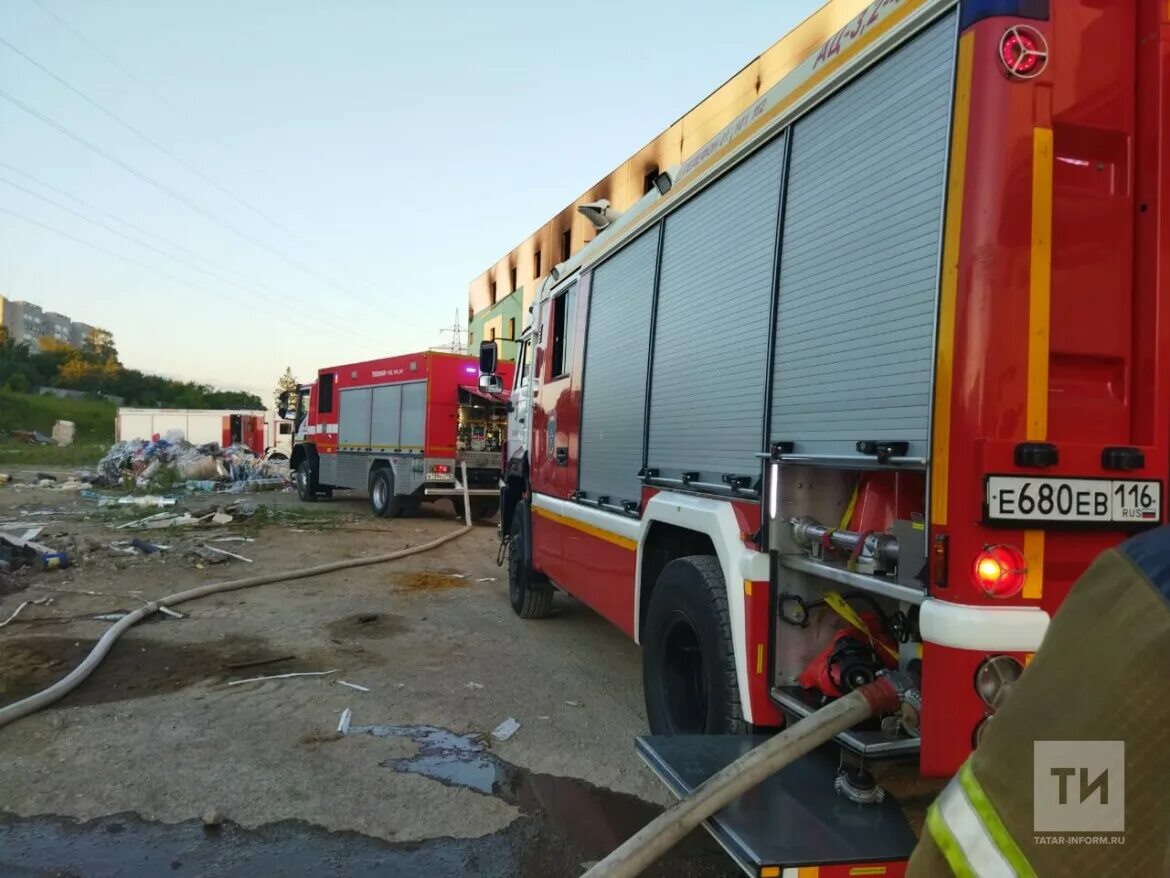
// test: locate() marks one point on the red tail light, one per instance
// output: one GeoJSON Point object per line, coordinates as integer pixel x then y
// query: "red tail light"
{"type": "Point", "coordinates": [1023, 51]}
{"type": "Point", "coordinates": [1000, 571]}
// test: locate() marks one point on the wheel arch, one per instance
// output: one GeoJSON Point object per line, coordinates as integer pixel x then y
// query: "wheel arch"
{"type": "Point", "coordinates": [303, 451]}
{"type": "Point", "coordinates": [699, 526]}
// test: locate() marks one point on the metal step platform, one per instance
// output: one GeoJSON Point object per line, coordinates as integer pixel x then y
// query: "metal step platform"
{"type": "Point", "coordinates": [873, 744]}
{"type": "Point", "coordinates": [793, 819]}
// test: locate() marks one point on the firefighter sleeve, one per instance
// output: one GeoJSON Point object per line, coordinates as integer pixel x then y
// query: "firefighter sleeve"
{"type": "Point", "coordinates": [1101, 674]}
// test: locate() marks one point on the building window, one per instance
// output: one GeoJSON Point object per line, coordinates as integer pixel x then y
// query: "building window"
{"type": "Point", "coordinates": [511, 329]}
{"type": "Point", "coordinates": [536, 264]}
{"type": "Point", "coordinates": [492, 291]}
{"type": "Point", "coordinates": [562, 331]}
{"type": "Point", "coordinates": [648, 180]}
{"type": "Point", "coordinates": [512, 278]}
{"type": "Point", "coordinates": [566, 244]}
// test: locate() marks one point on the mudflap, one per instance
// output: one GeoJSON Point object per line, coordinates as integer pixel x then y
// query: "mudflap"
{"type": "Point", "coordinates": [793, 823]}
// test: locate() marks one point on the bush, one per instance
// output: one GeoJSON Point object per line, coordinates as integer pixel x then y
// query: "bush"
{"type": "Point", "coordinates": [17, 382]}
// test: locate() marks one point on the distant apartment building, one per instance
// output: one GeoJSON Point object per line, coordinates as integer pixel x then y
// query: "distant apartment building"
{"type": "Point", "coordinates": [79, 333]}
{"type": "Point", "coordinates": [27, 323]}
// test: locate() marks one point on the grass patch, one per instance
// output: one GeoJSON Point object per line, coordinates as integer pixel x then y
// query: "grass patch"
{"type": "Point", "coordinates": [94, 417]}
{"type": "Point", "coordinates": [17, 454]}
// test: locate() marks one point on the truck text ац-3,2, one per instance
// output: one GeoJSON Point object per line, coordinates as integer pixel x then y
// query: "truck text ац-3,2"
{"type": "Point", "coordinates": [401, 428]}
{"type": "Point", "coordinates": [864, 384]}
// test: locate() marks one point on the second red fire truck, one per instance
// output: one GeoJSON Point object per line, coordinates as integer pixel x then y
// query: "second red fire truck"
{"type": "Point", "coordinates": [402, 429]}
{"type": "Point", "coordinates": [865, 384]}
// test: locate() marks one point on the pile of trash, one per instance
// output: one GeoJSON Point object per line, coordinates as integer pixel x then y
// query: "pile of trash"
{"type": "Point", "coordinates": [170, 462]}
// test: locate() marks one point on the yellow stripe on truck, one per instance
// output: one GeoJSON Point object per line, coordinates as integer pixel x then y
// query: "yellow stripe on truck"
{"type": "Point", "coordinates": [606, 535]}
{"type": "Point", "coordinates": [945, 357]}
{"type": "Point", "coordinates": [1039, 332]}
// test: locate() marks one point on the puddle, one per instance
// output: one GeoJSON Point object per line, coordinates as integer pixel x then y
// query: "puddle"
{"type": "Point", "coordinates": [136, 667]}
{"type": "Point", "coordinates": [426, 581]}
{"type": "Point", "coordinates": [591, 819]}
{"type": "Point", "coordinates": [368, 625]}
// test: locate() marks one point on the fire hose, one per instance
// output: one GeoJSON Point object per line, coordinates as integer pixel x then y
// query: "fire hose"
{"type": "Point", "coordinates": [882, 696]}
{"type": "Point", "coordinates": [77, 676]}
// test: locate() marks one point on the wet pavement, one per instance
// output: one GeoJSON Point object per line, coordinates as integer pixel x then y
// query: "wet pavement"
{"type": "Point", "coordinates": [564, 825]}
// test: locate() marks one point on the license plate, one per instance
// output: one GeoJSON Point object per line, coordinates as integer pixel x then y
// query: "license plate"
{"type": "Point", "coordinates": [1023, 499]}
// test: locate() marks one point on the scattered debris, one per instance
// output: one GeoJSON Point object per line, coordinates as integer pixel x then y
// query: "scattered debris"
{"type": "Point", "coordinates": [283, 676]}
{"type": "Point", "coordinates": [356, 686]}
{"type": "Point", "coordinates": [206, 555]}
{"type": "Point", "coordinates": [474, 685]}
{"type": "Point", "coordinates": [30, 437]}
{"type": "Point", "coordinates": [364, 618]}
{"type": "Point", "coordinates": [574, 703]}
{"type": "Point", "coordinates": [16, 552]}
{"type": "Point", "coordinates": [221, 518]}
{"type": "Point", "coordinates": [506, 729]}
{"type": "Point", "coordinates": [171, 461]}
{"type": "Point", "coordinates": [487, 579]}
{"type": "Point", "coordinates": [227, 553]}
{"type": "Point", "coordinates": [542, 716]}
{"type": "Point", "coordinates": [258, 662]}
{"type": "Point", "coordinates": [213, 818]}
{"type": "Point", "coordinates": [15, 613]}
{"type": "Point", "coordinates": [111, 617]}
{"type": "Point", "coordinates": [167, 611]}
{"type": "Point", "coordinates": [64, 432]}
{"type": "Point", "coordinates": [146, 547]}
{"type": "Point", "coordinates": [343, 723]}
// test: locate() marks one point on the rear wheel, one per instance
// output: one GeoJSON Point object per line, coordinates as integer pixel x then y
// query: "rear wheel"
{"type": "Point", "coordinates": [529, 593]}
{"type": "Point", "coordinates": [306, 482]}
{"type": "Point", "coordinates": [384, 502]}
{"type": "Point", "coordinates": [688, 664]}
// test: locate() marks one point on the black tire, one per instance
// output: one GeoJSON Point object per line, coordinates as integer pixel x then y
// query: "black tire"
{"type": "Point", "coordinates": [688, 661]}
{"type": "Point", "coordinates": [306, 482]}
{"type": "Point", "coordinates": [383, 501]}
{"type": "Point", "coordinates": [529, 592]}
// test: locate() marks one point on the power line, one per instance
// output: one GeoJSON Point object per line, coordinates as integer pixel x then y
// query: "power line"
{"type": "Point", "coordinates": [149, 246]}
{"type": "Point", "coordinates": [180, 113]}
{"type": "Point", "coordinates": [177, 196]}
{"type": "Point", "coordinates": [147, 266]}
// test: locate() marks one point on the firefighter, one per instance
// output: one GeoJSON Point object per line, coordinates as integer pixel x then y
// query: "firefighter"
{"type": "Point", "coordinates": [1102, 674]}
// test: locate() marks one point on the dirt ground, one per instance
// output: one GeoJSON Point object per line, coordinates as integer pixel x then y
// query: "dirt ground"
{"type": "Point", "coordinates": [116, 778]}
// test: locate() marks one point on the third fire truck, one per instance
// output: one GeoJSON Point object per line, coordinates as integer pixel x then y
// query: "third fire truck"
{"type": "Point", "coordinates": [865, 384]}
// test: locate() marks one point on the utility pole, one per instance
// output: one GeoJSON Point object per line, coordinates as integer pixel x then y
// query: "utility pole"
{"type": "Point", "coordinates": [456, 345]}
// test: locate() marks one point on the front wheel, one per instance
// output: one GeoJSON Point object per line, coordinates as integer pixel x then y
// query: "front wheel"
{"type": "Point", "coordinates": [688, 663]}
{"type": "Point", "coordinates": [482, 508]}
{"type": "Point", "coordinates": [529, 593]}
{"type": "Point", "coordinates": [306, 482]}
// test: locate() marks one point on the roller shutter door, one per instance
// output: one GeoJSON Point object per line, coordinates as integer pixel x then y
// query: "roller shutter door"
{"type": "Point", "coordinates": [714, 306]}
{"type": "Point", "coordinates": [613, 414]}
{"type": "Point", "coordinates": [860, 257]}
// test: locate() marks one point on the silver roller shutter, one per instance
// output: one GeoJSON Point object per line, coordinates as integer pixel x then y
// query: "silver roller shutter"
{"type": "Point", "coordinates": [614, 409]}
{"type": "Point", "coordinates": [860, 258]}
{"type": "Point", "coordinates": [414, 415]}
{"type": "Point", "coordinates": [711, 341]}
{"type": "Point", "coordinates": [387, 407]}
{"type": "Point", "coordinates": [354, 429]}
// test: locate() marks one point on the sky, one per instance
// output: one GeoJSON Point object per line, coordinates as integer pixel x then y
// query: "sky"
{"type": "Point", "coordinates": [307, 183]}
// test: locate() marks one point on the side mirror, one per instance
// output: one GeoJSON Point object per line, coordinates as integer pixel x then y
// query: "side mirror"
{"type": "Point", "coordinates": [488, 355]}
{"type": "Point", "coordinates": [282, 405]}
{"type": "Point", "coordinates": [491, 383]}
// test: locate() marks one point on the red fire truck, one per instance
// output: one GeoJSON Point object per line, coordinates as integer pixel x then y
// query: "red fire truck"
{"type": "Point", "coordinates": [401, 428]}
{"type": "Point", "coordinates": [866, 383]}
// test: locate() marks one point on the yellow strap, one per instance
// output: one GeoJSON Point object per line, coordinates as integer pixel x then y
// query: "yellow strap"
{"type": "Point", "coordinates": [841, 607]}
{"type": "Point", "coordinates": [844, 525]}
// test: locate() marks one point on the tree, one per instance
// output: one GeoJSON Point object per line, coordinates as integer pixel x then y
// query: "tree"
{"type": "Point", "coordinates": [100, 342]}
{"type": "Point", "coordinates": [286, 383]}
